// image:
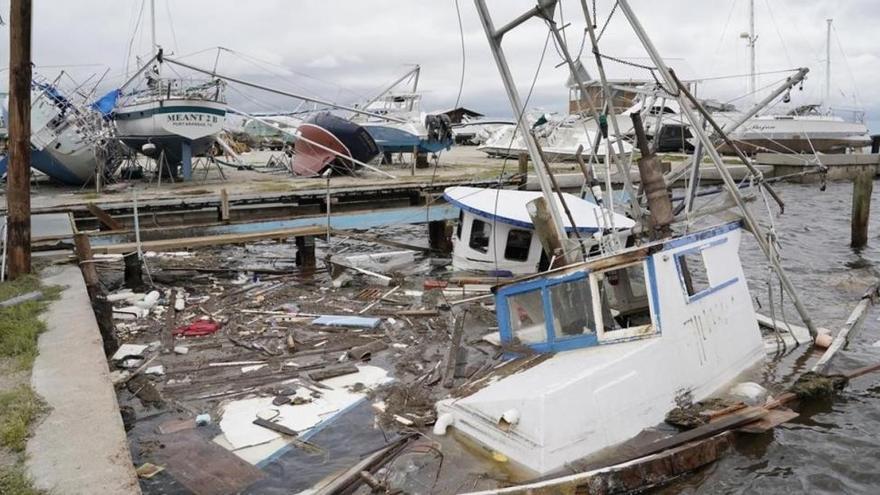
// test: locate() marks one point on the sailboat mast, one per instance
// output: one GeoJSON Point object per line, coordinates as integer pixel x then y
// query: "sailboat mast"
{"type": "Point", "coordinates": [753, 84]}
{"type": "Point", "coordinates": [828, 62]}
{"type": "Point", "coordinates": [153, 26]}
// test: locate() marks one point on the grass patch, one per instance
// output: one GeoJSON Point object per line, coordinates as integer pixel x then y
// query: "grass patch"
{"type": "Point", "coordinates": [20, 324]}
{"type": "Point", "coordinates": [19, 408]}
{"type": "Point", "coordinates": [13, 479]}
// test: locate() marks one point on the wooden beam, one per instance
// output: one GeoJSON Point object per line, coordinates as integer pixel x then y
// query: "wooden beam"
{"type": "Point", "coordinates": [212, 240]}
{"type": "Point", "coordinates": [104, 217]}
{"type": "Point", "coordinates": [18, 188]}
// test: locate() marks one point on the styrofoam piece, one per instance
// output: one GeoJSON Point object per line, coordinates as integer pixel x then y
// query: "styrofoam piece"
{"type": "Point", "coordinates": [347, 321]}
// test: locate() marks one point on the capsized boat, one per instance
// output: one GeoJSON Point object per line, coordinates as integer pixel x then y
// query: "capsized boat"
{"type": "Point", "coordinates": [70, 141]}
{"type": "Point", "coordinates": [330, 141]}
{"type": "Point", "coordinates": [495, 232]}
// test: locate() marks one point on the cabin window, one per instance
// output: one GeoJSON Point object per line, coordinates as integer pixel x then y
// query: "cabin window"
{"type": "Point", "coordinates": [526, 317]}
{"type": "Point", "coordinates": [692, 271]}
{"type": "Point", "coordinates": [460, 223]}
{"type": "Point", "coordinates": [572, 314]}
{"type": "Point", "coordinates": [480, 233]}
{"type": "Point", "coordinates": [518, 243]}
{"type": "Point", "coordinates": [623, 300]}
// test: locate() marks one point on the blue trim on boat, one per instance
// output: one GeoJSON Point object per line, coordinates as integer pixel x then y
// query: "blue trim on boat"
{"type": "Point", "coordinates": [712, 288]}
{"type": "Point", "coordinates": [394, 140]}
{"type": "Point", "coordinates": [137, 114]}
{"type": "Point", "coordinates": [703, 234]}
{"type": "Point", "coordinates": [509, 221]}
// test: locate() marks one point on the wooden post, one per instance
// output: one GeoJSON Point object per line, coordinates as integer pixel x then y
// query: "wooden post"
{"type": "Point", "coordinates": [134, 273]}
{"type": "Point", "coordinates": [438, 237]}
{"type": "Point", "coordinates": [523, 169]}
{"type": "Point", "coordinates": [543, 222]}
{"type": "Point", "coordinates": [863, 186]}
{"type": "Point", "coordinates": [18, 189]}
{"type": "Point", "coordinates": [415, 154]}
{"type": "Point", "coordinates": [103, 309]}
{"type": "Point", "coordinates": [107, 222]}
{"type": "Point", "coordinates": [305, 252]}
{"type": "Point", "coordinates": [224, 205]}
{"type": "Point", "coordinates": [422, 160]}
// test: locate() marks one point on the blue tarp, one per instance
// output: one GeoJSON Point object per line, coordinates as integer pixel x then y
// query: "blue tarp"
{"type": "Point", "coordinates": [106, 103]}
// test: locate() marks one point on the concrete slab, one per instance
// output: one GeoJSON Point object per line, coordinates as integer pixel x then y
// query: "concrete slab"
{"type": "Point", "coordinates": [80, 447]}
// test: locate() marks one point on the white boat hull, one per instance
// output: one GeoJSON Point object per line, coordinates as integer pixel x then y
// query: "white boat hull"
{"type": "Point", "coordinates": [575, 403]}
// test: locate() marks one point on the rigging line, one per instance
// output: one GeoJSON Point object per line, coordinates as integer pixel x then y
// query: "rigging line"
{"type": "Point", "coordinates": [778, 32]}
{"type": "Point", "coordinates": [512, 137]}
{"type": "Point", "coordinates": [773, 84]}
{"type": "Point", "coordinates": [736, 76]}
{"type": "Point", "coordinates": [463, 55]}
{"type": "Point", "coordinates": [457, 98]}
{"type": "Point", "coordinates": [301, 74]}
{"type": "Point", "coordinates": [137, 25]}
{"type": "Point", "coordinates": [723, 34]}
{"type": "Point", "coordinates": [849, 71]}
{"type": "Point", "coordinates": [171, 25]}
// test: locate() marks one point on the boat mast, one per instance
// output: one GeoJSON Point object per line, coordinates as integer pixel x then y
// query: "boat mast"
{"type": "Point", "coordinates": [751, 38]}
{"type": "Point", "coordinates": [494, 37]}
{"type": "Point", "coordinates": [751, 223]}
{"type": "Point", "coordinates": [153, 26]}
{"type": "Point", "coordinates": [828, 62]}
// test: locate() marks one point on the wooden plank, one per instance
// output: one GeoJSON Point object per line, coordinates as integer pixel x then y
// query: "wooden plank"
{"type": "Point", "coordinates": [212, 240]}
{"type": "Point", "coordinates": [630, 476]}
{"type": "Point", "coordinates": [773, 419]}
{"type": "Point", "coordinates": [204, 467]}
{"type": "Point", "coordinates": [105, 218]}
{"type": "Point", "coordinates": [850, 328]}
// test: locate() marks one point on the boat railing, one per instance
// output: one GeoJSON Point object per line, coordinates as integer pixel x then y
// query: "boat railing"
{"type": "Point", "coordinates": [182, 89]}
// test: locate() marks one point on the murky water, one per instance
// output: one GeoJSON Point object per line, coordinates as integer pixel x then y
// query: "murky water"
{"type": "Point", "coordinates": [834, 446]}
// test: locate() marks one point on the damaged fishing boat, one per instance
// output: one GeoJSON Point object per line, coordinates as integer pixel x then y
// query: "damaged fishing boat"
{"type": "Point", "coordinates": [603, 347]}
{"type": "Point", "coordinates": [496, 233]}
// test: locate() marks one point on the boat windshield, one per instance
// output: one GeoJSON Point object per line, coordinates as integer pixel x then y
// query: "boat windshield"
{"type": "Point", "coordinates": [577, 310]}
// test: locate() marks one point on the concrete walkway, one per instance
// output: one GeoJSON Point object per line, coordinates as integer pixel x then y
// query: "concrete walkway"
{"type": "Point", "coordinates": [80, 447]}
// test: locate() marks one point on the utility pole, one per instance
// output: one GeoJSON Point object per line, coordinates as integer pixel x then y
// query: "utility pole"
{"type": "Point", "coordinates": [18, 189]}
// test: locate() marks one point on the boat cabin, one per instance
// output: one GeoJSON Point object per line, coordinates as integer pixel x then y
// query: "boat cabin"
{"type": "Point", "coordinates": [618, 340]}
{"type": "Point", "coordinates": [495, 232]}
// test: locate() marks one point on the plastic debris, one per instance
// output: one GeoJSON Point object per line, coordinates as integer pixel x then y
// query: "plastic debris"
{"type": "Point", "coordinates": [203, 420]}
{"type": "Point", "coordinates": [347, 321]}
{"type": "Point", "coordinates": [129, 350]}
{"type": "Point", "coordinates": [198, 329]}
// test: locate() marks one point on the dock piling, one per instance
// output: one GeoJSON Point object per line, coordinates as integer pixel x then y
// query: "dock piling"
{"type": "Point", "coordinates": [134, 273]}
{"type": "Point", "coordinates": [103, 308]}
{"type": "Point", "coordinates": [863, 186]}
{"type": "Point", "coordinates": [305, 252]}
{"type": "Point", "coordinates": [224, 206]}
{"type": "Point", "coordinates": [439, 236]}
{"type": "Point", "coordinates": [523, 170]}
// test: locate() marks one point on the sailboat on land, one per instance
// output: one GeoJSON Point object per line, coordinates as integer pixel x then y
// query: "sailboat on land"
{"type": "Point", "coordinates": [71, 141]}
{"type": "Point", "coordinates": [604, 346]}
{"type": "Point", "coordinates": [170, 119]}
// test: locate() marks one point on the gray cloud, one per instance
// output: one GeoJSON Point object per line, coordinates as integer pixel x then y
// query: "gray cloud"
{"type": "Point", "coordinates": [346, 49]}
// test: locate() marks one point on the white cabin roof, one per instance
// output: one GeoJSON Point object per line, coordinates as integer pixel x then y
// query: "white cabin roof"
{"type": "Point", "coordinates": [509, 206]}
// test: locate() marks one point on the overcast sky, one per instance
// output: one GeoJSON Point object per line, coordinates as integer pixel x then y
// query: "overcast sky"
{"type": "Point", "coordinates": [346, 50]}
